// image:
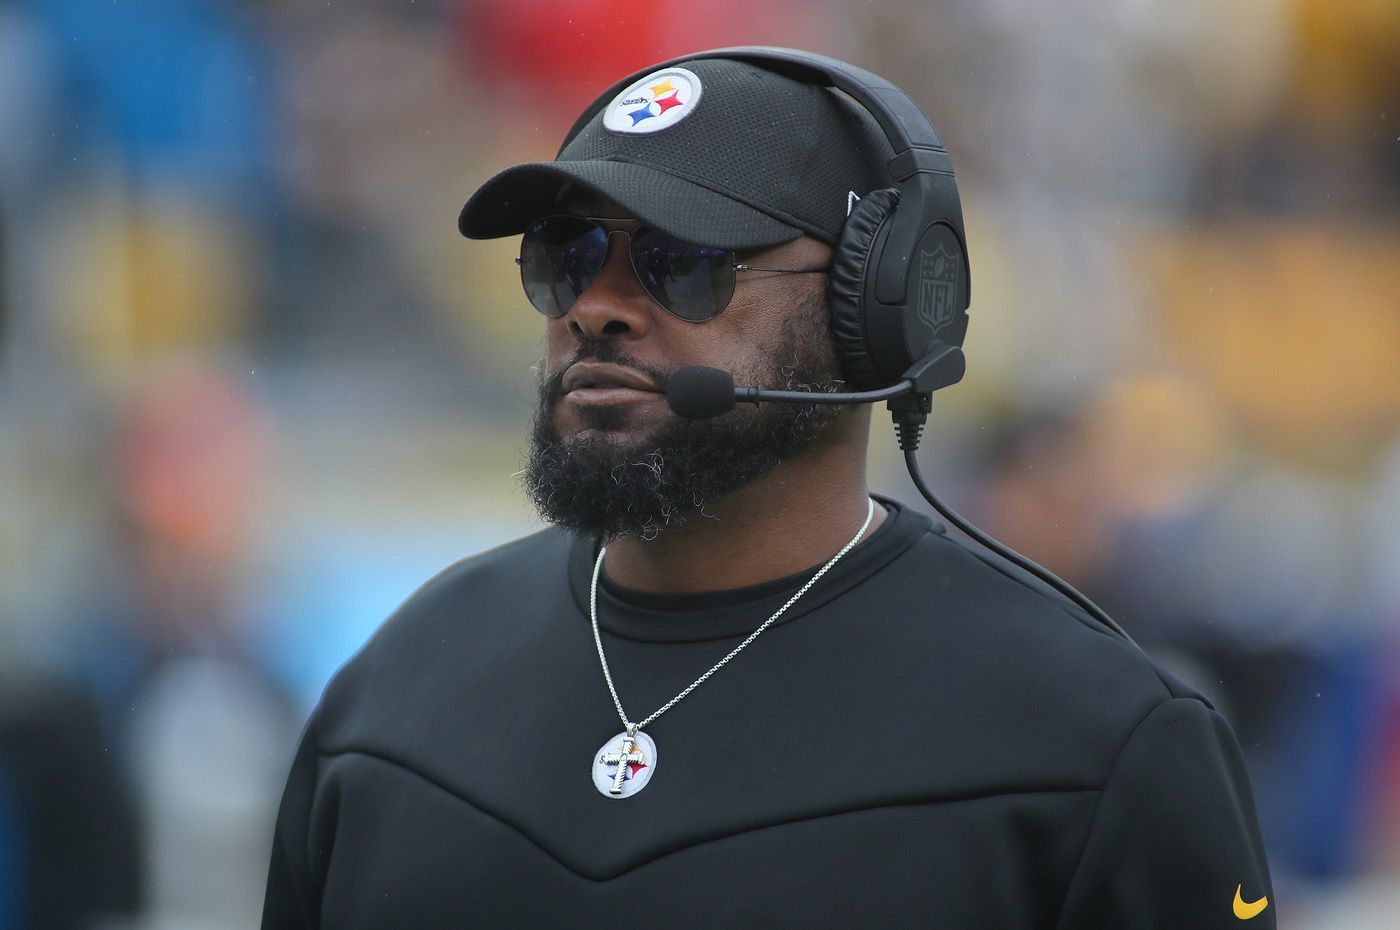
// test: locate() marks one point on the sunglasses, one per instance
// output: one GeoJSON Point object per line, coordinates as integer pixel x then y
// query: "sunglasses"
{"type": "Point", "coordinates": [561, 256]}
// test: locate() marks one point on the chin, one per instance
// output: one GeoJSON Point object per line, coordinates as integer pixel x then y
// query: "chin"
{"type": "Point", "coordinates": [618, 420]}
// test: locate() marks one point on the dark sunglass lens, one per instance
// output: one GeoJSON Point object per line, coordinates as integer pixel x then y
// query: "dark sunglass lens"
{"type": "Point", "coordinates": [560, 256]}
{"type": "Point", "coordinates": [693, 282]}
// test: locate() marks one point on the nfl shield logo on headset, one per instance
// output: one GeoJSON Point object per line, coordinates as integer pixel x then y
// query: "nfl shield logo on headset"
{"type": "Point", "coordinates": [938, 278]}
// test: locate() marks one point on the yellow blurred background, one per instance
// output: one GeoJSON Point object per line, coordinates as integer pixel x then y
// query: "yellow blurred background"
{"type": "Point", "coordinates": [254, 387]}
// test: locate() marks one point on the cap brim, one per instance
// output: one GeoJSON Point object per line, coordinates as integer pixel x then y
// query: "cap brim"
{"type": "Point", "coordinates": [519, 195]}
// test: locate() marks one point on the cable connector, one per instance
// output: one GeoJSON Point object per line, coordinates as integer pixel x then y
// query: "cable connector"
{"type": "Point", "coordinates": [941, 366]}
{"type": "Point", "coordinates": [909, 413]}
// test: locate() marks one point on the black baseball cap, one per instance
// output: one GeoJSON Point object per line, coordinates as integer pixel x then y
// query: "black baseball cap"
{"type": "Point", "coordinates": [712, 151]}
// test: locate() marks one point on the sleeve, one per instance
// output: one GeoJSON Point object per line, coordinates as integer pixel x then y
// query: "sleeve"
{"type": "Point", "coordinates": [292, 900]}
{"type": "Point", "coordinates": [1175, 841]}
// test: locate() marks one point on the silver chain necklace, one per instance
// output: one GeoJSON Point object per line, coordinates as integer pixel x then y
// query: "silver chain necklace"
{"type": "Point", "coordinates": [625, 763]}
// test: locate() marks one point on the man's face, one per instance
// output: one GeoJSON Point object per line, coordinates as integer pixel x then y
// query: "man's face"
{"type": "Point", "coordinates": [608, 456]}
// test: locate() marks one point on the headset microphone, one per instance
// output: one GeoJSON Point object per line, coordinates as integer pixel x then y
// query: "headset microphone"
{"type": "Point", "coordinates": [700, 392]}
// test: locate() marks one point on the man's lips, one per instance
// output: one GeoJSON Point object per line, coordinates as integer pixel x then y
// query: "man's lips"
{"type": "Point", "coordinates": [601, 381]}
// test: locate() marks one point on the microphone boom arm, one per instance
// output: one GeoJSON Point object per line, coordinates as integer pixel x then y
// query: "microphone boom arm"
{"type": "Point", "coordinates": [753, 395]}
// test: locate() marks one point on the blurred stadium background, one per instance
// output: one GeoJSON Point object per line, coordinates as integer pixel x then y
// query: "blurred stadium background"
{"type": "Point", "coordinates": [254, 388]}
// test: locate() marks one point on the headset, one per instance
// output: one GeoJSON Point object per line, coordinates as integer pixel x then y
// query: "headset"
{"type": "Point", "coordinates": [899, 284]}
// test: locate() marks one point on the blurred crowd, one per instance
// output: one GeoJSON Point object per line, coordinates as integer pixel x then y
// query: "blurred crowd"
{"type": "Point", "coordinates": [254, 387]}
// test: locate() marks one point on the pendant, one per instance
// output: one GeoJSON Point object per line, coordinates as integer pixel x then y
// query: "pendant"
{"type": "Point", "coordinates": [623, 765]}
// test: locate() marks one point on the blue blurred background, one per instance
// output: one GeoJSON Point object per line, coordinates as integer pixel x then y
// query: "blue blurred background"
{"type": "Point", "coordinates": [254, 388]}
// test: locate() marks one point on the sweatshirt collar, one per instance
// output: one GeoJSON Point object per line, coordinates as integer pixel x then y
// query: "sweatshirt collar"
{"type": "Point", "coordinates": [710, 615]}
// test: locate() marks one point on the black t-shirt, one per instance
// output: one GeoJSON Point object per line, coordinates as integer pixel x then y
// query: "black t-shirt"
{"type": "Point", "coordinates": [928, 737]}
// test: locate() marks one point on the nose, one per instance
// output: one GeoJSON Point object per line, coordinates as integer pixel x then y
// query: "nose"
{"type": "Point", "coordinates": [615, 304]}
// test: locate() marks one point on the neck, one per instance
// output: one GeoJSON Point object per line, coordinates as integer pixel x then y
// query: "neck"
{"type": "Point", "coordinates": [790, 520]}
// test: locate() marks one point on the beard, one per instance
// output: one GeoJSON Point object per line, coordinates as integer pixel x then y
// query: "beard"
{"type": "Point", "coordinates": [602, 485]}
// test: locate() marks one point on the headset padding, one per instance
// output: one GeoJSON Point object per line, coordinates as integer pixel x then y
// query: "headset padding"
{"type": "Point", "coordinates": [846, 282]}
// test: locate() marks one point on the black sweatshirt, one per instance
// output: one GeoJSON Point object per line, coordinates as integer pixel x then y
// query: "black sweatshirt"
{"type": "Point", "coordinates": [929, 737]}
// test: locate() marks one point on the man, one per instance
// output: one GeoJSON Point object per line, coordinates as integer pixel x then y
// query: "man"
{"type": "Point", "coordinates": [729, 687]}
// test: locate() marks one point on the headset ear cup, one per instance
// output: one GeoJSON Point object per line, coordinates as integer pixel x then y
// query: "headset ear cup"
{"type": "Point", "coordinates": [846, 281]}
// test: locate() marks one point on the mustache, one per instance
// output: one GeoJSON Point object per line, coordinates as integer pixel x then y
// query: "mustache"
{"type": "Point", "coordinates": [552, 386]}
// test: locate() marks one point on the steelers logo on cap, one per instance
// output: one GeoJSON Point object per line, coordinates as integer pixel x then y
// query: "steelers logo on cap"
{"type": "Point", "coordinates": [658, 101]}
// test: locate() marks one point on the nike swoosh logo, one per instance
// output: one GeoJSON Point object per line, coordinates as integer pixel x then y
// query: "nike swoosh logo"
{"type": "Point", "coordinates": [1247, 910]}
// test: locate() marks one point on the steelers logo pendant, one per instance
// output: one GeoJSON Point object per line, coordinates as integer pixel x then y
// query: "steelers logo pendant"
{"type": "Point", "coordinates": [623, 765]}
